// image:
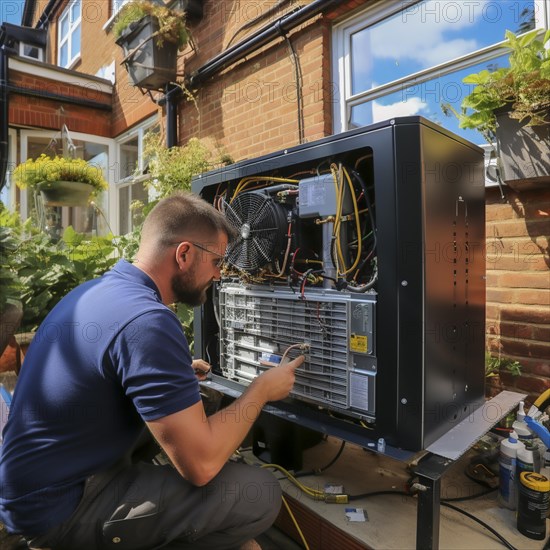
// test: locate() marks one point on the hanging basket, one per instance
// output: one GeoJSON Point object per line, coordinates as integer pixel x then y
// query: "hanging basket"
{"type": "Point", "coordinates": [524, 159]}
{"type": "Point", "coordinates": [149, 65]}
{"type": "Point", "coordinates": [65, 193]}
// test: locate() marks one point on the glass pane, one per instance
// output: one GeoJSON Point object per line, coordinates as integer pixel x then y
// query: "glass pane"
{"type": "Point", "coordinates": [430, 33]}
{"type": "Point", "coordinates": [64, 27]}
{"type": "Point", "coordinates": [425, 100]}
{"type": "Point", "coordinates": [75, 11]}
{"type": "Point", "coordinates": [147, 158]}
{"type": "Point", "coordinates": [139, 193]}
{"type": "Point", "coordinates": [64, 55]}
{"type": "Point", "coordinates": [75, 42]}
{"type": "Point", "coordinates": [128, 158]}
{"type": "Point", "coordinates": [31, 51]}
{"type": "Point", "coordinates": [124, 209]}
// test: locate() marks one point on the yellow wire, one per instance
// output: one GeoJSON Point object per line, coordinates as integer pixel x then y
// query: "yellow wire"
{"type": "Point", "coordinates": [313, 493]}
{"type": "Point", "coordinates": [336, 223]}
{"type": "Point", "coordinates": [245, 181]}
{"type": "Point", "coordinates": [306, 546]}
{"type": "Point", "coordinates": [358, 227]}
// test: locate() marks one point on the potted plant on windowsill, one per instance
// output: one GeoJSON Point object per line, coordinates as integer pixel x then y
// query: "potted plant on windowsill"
{"type": "Point", "coordinates": [61, 181]}
{"type": "Point", "coordinates": [511, 107]}
{"type": "Point", "coordinates": [150, 34]}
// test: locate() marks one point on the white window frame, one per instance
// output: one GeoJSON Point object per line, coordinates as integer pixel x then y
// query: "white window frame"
{"type": "Point", "coordinates": [139, 132]}
{"type": "Point", "coordinates": [62, 40]}
{"type": "Point", "coordinates": [8, 193]}
{"type": "Point", "coordinates": [22, 51]}
{"type": "Point", "coordinates": [111, 192]}
{"type": "Point", "coordinates": [341, 61]}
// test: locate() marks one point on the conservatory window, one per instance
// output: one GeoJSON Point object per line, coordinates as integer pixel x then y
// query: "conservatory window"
{"type": "Point", "coordinates": [132, 191]}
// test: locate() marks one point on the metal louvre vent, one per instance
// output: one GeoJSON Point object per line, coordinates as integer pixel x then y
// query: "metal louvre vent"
{"type": "Point", "coordinates": [261, 223]}
{"type": "Point", "coordinates": [256, 324]}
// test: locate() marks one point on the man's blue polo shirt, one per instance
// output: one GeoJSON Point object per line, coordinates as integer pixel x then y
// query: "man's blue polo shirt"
{"type": "Point", "coordinates": [109, 356]}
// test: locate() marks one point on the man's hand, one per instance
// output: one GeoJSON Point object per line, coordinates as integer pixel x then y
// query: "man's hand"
{"type": "Point", "coordinates": [201, 368]}
{"type": "Point", "coordinates": [276, 383]}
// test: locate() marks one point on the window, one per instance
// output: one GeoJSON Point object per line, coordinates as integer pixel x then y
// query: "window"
{"type": "Point", "coordinates": [30, 51]}
{"type": "Point", "coordinates": [132, 177]}
{"type": "Point", "coordinates": [68, 32]}
{"type": "Point", "coordinates": [400, 59]}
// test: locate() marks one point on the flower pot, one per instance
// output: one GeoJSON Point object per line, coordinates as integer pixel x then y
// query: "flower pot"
{"type": "Point", "coordinates": [150, 66]}
{"type": "Point", "coordinates": [524, 159]}
{"type": "Point", "coordinates": [65, 193]}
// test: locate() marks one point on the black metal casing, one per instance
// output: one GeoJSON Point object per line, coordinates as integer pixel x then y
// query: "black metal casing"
{"type": "Point", "coordinates": [430, 314]}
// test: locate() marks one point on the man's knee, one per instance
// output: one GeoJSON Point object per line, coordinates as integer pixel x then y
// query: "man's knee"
{"type": "Point", "coordinates": [263, 493]}
{"type": "Point", "coordinates": [255, 488]}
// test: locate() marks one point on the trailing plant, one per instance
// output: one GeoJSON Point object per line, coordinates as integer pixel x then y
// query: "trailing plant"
{"type": "Point", "coordinates": [172, 24]}
{"type": "Point", "coordinates": [41, 172]}
{"type": "Point", "coordinates": [172, 169]}
{"type": "Point", "coordinates": [523, 87]}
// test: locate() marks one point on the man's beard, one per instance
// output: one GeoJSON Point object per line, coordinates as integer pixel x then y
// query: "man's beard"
{"type": "Point", "coordinates": [184, 290]}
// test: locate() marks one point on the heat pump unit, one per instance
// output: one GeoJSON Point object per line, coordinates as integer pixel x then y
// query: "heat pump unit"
{"type": "Point", "coordinates": [368, 247]}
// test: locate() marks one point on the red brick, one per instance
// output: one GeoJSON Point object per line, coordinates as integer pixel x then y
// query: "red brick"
{"type": "Point", "coordinates": [532, 384]}
{"type": "Point", "coordinates": [524, 348]}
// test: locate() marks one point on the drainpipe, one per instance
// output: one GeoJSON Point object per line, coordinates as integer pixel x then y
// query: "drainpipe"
{"type": "Point", "coordinates": [171, 97]}
{"type": "Point", "coordinates": [258, 39]}
{"type": "Point", "coordinates": [4, 112]}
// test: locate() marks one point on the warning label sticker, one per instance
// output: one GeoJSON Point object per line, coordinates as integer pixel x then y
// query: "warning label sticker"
{"type": "Point", "coordinates": [358, 343]}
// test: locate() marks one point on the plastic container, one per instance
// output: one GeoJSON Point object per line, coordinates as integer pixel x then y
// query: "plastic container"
{"type": "Point", "coordinates": [520, 427]}
{"type": "Point", "coordinates": [533, 505]}
{"type": "Point", "coordinates": [507, 470]}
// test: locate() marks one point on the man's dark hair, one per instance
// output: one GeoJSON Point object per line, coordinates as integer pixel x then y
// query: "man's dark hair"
{"type": "Point", "coordinates": [183, 214]}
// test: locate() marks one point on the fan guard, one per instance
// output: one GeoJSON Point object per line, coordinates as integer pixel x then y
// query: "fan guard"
{"type": "Point", "coordinates": [261, 223]}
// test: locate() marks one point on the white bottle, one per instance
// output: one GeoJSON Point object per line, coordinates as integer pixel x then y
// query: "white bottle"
{"type": "Point", "coordinates": [520, 427]}
{"type": "Point", "coordinates": [507, 470]}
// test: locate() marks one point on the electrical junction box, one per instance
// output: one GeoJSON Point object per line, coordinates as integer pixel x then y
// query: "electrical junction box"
{"type": "Point", "coordinates": [376, 263]}
{"type": "Point", "coordinates": [317, 197]}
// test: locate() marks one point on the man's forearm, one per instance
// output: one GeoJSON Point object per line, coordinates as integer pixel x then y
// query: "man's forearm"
{"type": "Point", "coordinates": [230, 426]}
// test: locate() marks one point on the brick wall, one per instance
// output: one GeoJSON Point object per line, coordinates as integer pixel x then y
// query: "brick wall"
{"type": "Point", "coordinates": [252, 107]}
{"type": "Point", "coordinates": [41, 112]}
{"type": "Point", "coordinates": [518, 286]}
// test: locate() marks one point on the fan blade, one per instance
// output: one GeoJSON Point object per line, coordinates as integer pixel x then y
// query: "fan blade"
{"type": "Point", "coordinates": [233, 216]}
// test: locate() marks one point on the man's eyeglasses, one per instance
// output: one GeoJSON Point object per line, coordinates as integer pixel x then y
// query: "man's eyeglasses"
{"type": "Point", "coordinates": [220, 257]}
